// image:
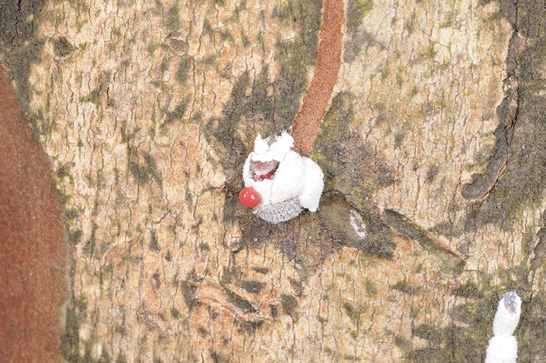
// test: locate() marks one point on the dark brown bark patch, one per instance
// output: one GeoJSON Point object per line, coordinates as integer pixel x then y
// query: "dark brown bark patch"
{"type": "Point", "coordinates": [34, 255]}
{"type": "Point", "coordinates": [306, 126]}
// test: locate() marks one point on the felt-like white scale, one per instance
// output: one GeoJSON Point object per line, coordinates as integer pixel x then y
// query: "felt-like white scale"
{"type": "Point", "coordinates": [286, 181]}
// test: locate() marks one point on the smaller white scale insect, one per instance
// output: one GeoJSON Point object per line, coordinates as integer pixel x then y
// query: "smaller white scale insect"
{"type": "Point", "coordinates": [279, 182]}
{"type": "Point", "coordinates": [503, 346]}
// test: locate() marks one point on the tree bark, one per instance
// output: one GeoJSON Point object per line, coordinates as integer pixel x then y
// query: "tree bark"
{"type": "Point", "coordinates": [433, 149]}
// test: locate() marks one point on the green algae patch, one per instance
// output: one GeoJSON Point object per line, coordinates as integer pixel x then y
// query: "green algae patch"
{"type": "Point", "coordinates": [143, 173]}
{"type": "Point", "coordinates": [350, 165]}
{"type": "Point", "coordinates": [251, 107]}
{"type": "Point", "coordinates": [407, 288]}
{"type": "Point", "coordinates": [356, 11]}
{"type": "Point", "coordinates": [353, 172]}
{"type": "Point", "coordinates": [62, 47]}
{"type": "Point", "coordinates": [177, 113]}
{"type": "Point", "coordinates": [183, 70]}
{"type": "Point", "coordinates": [354, 312]}
{"type": "Point", "coordinates": [95, 95]}
{"type": "Point", "coordinates": [189, 288]}
{"type": "Point", "coordinates": [465, 339]}
{"type": "Point", "coordinates": [290, 305]}
{"type": "Point", "coordinates": [172, 19]}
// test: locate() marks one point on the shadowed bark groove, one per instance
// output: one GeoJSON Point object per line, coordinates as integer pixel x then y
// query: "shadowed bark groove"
{"type": "Point", "coordinates": [508, 113]}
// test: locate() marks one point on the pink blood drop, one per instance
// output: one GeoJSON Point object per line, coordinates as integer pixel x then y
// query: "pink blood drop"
{"type": "Point", "coordinates": [264, 170]}
{"type": "Point", "coordinates": [250, 197]}
{"type": "Point", "coordinates": [269, 176]}
{"type": "Point", "coordinates": [510, 308]}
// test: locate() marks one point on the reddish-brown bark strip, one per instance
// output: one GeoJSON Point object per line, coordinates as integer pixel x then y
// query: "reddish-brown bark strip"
{"type": "Point", "coordinates": [34, 255]}
{"type": "Point", "coordinates": [306, 126]}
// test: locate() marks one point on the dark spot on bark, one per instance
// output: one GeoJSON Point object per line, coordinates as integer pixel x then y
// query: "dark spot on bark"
{"type": "Point", "coordinates": [297, 286]}
{"type": "Point", "coordinates": [407, 288]}
{"type": "Point", "coordinates": [539, 250]}
{"type": "Point", "coordinates": [353, 312]}
{"type": "Point", "coordinates": [74, 237]}
{"type": "Point", "coordinates": [371, 288]}
{"type": "Point", "coordinates": [189, 287]}
{"type": "Point", "coordinates": [262, 270]}
{"type": "Point", "coordinates": [238, 301]}
{"type": "Point", "coordinates": [253, 287]}
{"type": "Point", "coordinates": [139, 172]}
{"type": "Point", "coordinates": [289, 305]}
{"type": "Point", "coordinates": [402, 343]}
{"type": "Point", "coordinates": [184, 68]}
{"type": "Point", "coordinates": [218, 358]}
{"type": "Point", "coordinates": [62, 47]}
{"type": "Point", "coordinates": [432, 172]}
{"type": "Point", "coordinates": [156, 280]}
{"type": "Point", "coordinates": [175, 313]}
{"type": "Point", "coordinates": [89, 247]}
{"type": "Point", "coordinates": [143, 173]}
{"type": "Point", "coordinates": [274, 311]}
{"type": "Point", "coordinates": [202, 331]}
{"type": "Point", "coordinates": [359, 229]}
{"type": "Point", "coordinates": [154, 246]}
{"type": "Point", "coordinates": [177, 113]}
{"type": "Point", "coordinates": [172, 19]}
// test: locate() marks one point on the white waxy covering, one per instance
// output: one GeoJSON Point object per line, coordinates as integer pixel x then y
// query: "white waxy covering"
{"type": "Point", "coordinates": [503, 346]}
{"type": "Point", "coordinates": [297, 182]}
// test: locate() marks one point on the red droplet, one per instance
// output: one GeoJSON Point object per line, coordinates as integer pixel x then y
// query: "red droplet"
{"type": "Point", "coordinates": [250, 197]}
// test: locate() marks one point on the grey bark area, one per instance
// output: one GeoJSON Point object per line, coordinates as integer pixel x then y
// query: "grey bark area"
{"type": "Point", "coordinates": [433, 149]}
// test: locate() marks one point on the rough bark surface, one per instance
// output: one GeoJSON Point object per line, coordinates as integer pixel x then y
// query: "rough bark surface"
{"type": "Point", "coordinates": [433, 148]}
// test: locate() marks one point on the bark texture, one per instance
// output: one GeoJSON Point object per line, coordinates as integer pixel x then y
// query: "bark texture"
{"type": "Point", "coordinates": [433, 148]}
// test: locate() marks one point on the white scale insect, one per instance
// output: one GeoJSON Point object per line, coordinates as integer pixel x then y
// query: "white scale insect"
{"type": "Point", "coordinates": [503, 346]}
{"type": "Point", "coordinates": [279, 182]}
